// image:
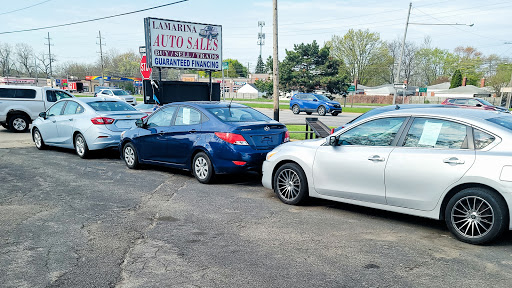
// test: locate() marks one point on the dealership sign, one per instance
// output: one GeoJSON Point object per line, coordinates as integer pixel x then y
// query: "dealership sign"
{"type": "Point", "coordinates": [183, 45]}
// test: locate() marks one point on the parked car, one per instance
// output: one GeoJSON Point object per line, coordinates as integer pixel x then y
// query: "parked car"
{"type": "Point", "coordinates": [309, 103]}
{"type": "Point", "coordinates": [208, 138]}
{"type": "Point", "coordinates": [146, 108]}
{"type": "Point", "coordinates": [388, 108]}
{"type": "Point", "coordinates": [118, 94]}
{"type": "Point", "coordinates": [425, 162]}
{"type": "Point", "coordinates": [473, 103]}
{"type": "Point", "coordinates": [84, 124]}
{"type": "Point", "coordinates": [20, 105]}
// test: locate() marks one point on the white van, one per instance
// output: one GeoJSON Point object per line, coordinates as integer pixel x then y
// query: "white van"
{"type": "Point", "coordinates": [20, 105]}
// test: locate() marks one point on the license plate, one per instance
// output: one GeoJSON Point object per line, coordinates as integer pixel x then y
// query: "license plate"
{"type": "Point", "coordinates": [125, 123]}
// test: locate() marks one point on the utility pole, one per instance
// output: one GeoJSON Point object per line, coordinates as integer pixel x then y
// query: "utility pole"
{"type": "Point", "coordinates": [50, 57]}
{"type": "Point", "coordinates": [397, 78]}
{"type": "Point", "coordinates": [101, 58]}
{"type": "Point", "coordinates": [510, 86]}
{"type": "Point", "coordinates": [35, 71]}
{"type": "Point", "coordinates": [276, 66]}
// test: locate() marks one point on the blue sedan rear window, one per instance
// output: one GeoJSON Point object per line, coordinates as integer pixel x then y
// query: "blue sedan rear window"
{"type": "Point", "coordinates": [111, 106]}
{"type": "Point", "coordinates": [238, 114]}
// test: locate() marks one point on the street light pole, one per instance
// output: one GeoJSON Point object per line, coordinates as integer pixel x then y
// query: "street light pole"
{"type": "Point", "coordinates": [397, 78]}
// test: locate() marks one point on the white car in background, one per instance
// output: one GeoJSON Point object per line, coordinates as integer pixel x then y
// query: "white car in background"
{"type": "Point", "coordinates": [449, 164]}
{"type": "Point", "coordinates": [118, 94]}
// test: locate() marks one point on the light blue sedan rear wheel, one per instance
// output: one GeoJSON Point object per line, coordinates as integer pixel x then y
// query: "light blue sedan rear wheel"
{"type": "Point", "coordinates": [81, 146]}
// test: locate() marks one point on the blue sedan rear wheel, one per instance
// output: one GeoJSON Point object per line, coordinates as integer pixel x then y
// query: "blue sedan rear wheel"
{"type": "Point", "coordinates": [296, 109]}
{"type": "Point", "coordinates": [202, 168]}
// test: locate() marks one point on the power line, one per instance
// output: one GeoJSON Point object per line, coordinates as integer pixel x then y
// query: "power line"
{"type": "Point", "coordinates": [95, 19]}
{"type": "Point", "coordinates": [19, 9]}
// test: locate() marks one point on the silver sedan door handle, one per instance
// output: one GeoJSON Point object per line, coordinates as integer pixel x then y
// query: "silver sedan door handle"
{"type": "Point", "coordinates": [53, 121]}
{"type": "Point", "coordinates": [376, 158]}
{"type": "Point", "coordinates": [453, 160]}
{"type": "Point", "coordinates": [70, 119]}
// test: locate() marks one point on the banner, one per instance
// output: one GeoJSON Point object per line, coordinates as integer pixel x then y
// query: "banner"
{"type": "Point", "coordinates": [183, 45]}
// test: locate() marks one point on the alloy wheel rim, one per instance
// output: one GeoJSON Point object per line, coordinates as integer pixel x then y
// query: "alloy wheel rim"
{"type": "Point", "coordinates": [321, 110]}
{"type": "Point", "coordinates": [472, 217]}
{"type": "Point", "coordinates": [37, 139]}
{"type": "Point", "coordinates": [288, 184]}
{"type": "Point", "coordinates": [129, 155]}
{"type": "Point", "coordinates": [19, 124]}
{"type": "Point", "coordinates": [80, 145]}
{"type": "Point", "coordinates": [295, 108]}
{"type": "Point", "coordinates": [201, 168]}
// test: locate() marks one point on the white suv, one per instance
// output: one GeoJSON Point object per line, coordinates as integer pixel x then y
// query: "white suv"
{"type": "Point", "coordinates": [118, 94]}
{"type": "Point", "coordinates": [20, 105]}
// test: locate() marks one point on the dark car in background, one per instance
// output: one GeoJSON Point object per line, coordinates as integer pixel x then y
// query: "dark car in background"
{"type": "Point", "coordinates": [309, 103]}
{"type": "Point", "coordinates": [473, 103]}
{"type": "Point", "coordinates": [208, 138]}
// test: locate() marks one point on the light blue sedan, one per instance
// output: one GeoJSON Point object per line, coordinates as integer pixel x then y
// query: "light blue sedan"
{"type": "Point", "coordinates": [84, 124]}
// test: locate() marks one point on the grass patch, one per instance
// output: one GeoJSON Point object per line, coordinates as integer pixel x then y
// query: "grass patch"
{"type": "Point", "coordinates": [264, 105]}
{"type": "Point", "coordinates": [299, 128]}
{"type": "Point", "coordinates": [356, 110]}
{"type": "Point", "coordinates": [253, 100]}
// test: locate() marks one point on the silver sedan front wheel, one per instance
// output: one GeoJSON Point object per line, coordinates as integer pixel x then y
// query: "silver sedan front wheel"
{"type": "Point", "coordinates": [290, 184]}
{"type": "Point", "coordinates": [38, 139]}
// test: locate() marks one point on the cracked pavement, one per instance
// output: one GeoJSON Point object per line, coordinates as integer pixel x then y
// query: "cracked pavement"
{"type": "Point", "coordinates": [68, 222]}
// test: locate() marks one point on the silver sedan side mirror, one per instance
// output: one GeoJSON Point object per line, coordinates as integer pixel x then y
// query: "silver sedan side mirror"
{"type": "Point", "coordinates": [333, 141]}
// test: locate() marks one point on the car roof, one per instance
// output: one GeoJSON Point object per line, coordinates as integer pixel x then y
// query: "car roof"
{"type": "Point", "coordinates": [94, 99]}
{"type": "Point", "coordinates": [468, 115]}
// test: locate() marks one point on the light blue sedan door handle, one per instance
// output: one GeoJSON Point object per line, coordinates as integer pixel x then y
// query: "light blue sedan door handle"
{"type": "Point", "coordinates": [453, 160]}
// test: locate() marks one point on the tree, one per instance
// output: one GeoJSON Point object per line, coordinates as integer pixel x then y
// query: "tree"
{"type": "Point", "coordinates": [265, 86]}
{"type": "Point", "coordinates": [456, 79]}
{"type": "Point", "coordinates": [25, 57]}
{"type": "Point", "coordinates": [44, 62]}
{"type": "Point", "coordinates": [434, 64]}
{"type": "Point", "coordinates": [469, 63]}
{"type": "Point", "coordinates": [361, 51]}
{"type": "Point", "coordinates": [501, 78]}
{"type": "Point", "coordinates": [6, 62]}
{"type": "Point", "coordinates": [307, 67]}
{"type": "Point", "coordinates": [269, 65]}
{"type": "Point", "coordinates": [260, 66]}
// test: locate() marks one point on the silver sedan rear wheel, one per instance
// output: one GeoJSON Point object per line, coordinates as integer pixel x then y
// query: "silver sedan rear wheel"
{"type": "Point", "coordinates": [476, 215]}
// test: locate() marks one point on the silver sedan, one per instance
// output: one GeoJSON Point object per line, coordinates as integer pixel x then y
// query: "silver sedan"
{"type": "Point", "coordinates": [84, 124]}
{"type": "Point", "coordinates": [443, 164]}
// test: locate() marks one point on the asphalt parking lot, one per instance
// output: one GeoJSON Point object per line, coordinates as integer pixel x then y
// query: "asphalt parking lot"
{"type": "Point", "coordinates": [68, 222]}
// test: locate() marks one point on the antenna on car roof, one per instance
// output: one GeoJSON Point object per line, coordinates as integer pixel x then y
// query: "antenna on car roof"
{"type": "Point", "coordinates": [397, 107]}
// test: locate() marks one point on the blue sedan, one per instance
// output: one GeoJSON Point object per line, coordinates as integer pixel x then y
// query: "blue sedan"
{"type": "Point", "coordinates": [208, 138]}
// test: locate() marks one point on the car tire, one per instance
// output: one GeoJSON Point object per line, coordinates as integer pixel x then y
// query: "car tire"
{"type": "Point", "coordinates": [38, 139]}
{"type": "Point", "coordinates": [202, 168]}
{"type": "Point", "coordinates": [309, 113]}
{"type": "Point", "coordinates": [130, 156]}
{"type": "Point", "coordinates": [295, 109]}
{"type": "Point", "coordinates": [81, 146]}
{"type": "Point", "coordinates": [476, 215]}
{"type": "Point", "coordinates": [290, 184]}
{"type": "Point", "coordinates": [18, 123]}
{"type": "Point", "coordinates": [334, 113]}
{"type": "Point", "coordinates": [321, 111]}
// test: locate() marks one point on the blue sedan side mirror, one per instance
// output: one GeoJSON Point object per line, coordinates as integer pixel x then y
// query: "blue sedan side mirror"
{"type": "Point", "coordinates": [139, 123]}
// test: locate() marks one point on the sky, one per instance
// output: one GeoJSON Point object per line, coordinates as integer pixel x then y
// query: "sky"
{"type": "Point", "coordinates": [300, 21]}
